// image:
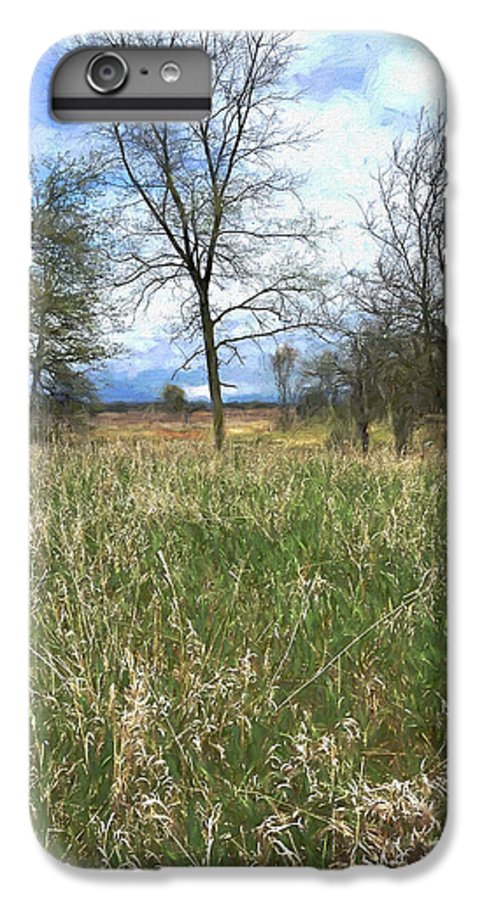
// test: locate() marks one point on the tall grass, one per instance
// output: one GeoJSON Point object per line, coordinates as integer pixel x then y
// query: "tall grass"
{"type": "Point", "coordinates": [236, 660]}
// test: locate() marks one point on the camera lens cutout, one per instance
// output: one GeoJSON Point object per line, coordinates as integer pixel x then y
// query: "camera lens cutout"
{"type": "Point", "coordinates": [170, 72]}
{"type": "Point", "coordinates": [107, 73]}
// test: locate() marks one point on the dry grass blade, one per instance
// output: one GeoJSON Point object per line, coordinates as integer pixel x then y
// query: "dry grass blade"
{"type": "Point", "coordinates": [391, 614]}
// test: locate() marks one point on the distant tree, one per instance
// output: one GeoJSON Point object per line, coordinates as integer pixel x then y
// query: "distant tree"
{"type": "Point", "coordinates": [221, 220]}
{"type": "Point", "coordinates": [385, 374]}
{"type": "Point", "coordinates": [406, 385]}
{"type": "Point", "coordinates": [284, 362]}
{"type": "Point", "coordinates": [71, 318]}
{"type": "Point", "coordinates": [360, 365]}
{"type": "Point", "coordinates": [320, 383]}
{"type": "Point", "coordinates": [174, 400]}
{"type": "Point", "coordinates": [348, 380]}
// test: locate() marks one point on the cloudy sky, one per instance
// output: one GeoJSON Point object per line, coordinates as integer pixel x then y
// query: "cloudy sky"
{"type": "Point", "coordinates": [362, 90]}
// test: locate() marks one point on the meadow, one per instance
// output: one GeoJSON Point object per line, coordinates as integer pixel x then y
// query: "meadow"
{"type": "Point", "coordinates": [237, 658]}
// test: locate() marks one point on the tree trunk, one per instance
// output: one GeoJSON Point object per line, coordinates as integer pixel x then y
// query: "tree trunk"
{"type": "Point", "coordinates": [403, 424]}
{"type": "Point", "coordinates": [36, 363]}
{"type": "Point", "coordinates": [213, 372]}
{"type": "Point", "coordinates": [363, 418]}
{"type": "Point", "coordinates": [285, 417]}
{"type": "Point", "coordinates": [364, 435]}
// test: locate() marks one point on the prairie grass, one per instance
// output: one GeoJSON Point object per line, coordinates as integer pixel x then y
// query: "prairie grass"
{"type": "Point", "coordinates": [236, 660]}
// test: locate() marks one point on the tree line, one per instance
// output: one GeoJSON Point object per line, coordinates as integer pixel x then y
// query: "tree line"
{"type": "Point", "coordinates": [206, 214]}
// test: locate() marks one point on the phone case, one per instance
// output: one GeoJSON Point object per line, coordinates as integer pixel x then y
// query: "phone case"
{"type": "Point", "coordinates": [238, 602]}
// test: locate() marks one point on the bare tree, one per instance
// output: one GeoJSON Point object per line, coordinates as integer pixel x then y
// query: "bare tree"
{"type": "Point", "coordinates": [284, 362]}
{"type": "Point", "coordinates": [212, 215]}
{"type": "Point", "coordinates": [404, 292]}
{"type": "Point", "coordinates": [359, 366]}
{"type": "Point", "coordinates": [321, 384]}
{"type": "Point", "coordinates": [349, 380]}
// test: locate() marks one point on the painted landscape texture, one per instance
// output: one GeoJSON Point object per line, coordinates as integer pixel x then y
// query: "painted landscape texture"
{"type": "Point", "coordinates": [238, 411]}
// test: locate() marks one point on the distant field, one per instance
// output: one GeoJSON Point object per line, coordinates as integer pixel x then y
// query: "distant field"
{"type": "Point", "coordinates": [237, 659]}
{"type": "Point", "coordinates": [259, 424]}
{"type": "Point", "coordinates": [157, 424]}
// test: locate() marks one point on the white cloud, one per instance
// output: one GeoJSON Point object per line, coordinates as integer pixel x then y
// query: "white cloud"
{"type": "Point", "coordinates": [197, 392]}
{"type": "Point", "coordinates": [407, 77]}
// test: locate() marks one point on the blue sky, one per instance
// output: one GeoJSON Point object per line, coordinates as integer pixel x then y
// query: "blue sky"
{"type": "Point", "coordinates": [362, 90]}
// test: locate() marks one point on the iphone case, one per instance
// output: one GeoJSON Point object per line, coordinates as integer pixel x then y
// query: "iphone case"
{"type": "Point", "coordinates": [238, 601]}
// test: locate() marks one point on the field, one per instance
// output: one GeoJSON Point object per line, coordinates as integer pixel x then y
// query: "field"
{"type": "Point", "coordinates": [236, 659]}
{"type": "Point", "coordinates": [159, 425]}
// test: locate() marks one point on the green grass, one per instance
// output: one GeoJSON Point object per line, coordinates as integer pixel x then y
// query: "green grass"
{"type": "Point", "coordinates": [182, 605]}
